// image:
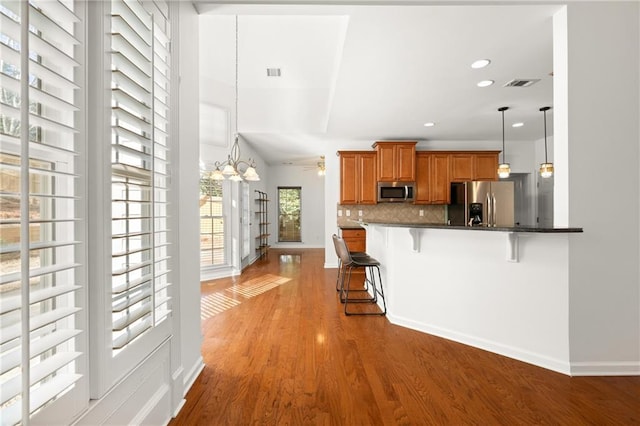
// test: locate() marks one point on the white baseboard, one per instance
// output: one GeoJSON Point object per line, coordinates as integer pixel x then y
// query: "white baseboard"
{"type": "Point", "coordinates": [330, 265]}
{"type": "Point", "coordinates": [295, 246]}
{"type": "Point", "coordinates": [491, 346]}
{"type": "Point", "coordinates": [177, 385]}
{"type": "Point", "coordinates": [207, 275]}
{"type": "Point", "coordinates": [605, 368]}
{"type": "Point", "coordinates": [178, 408]}
{"type": "Point", "coordinates": [193, 374]}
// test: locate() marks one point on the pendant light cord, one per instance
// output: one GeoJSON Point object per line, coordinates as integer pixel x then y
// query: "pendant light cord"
{"type": "Point", "coordinates": [503, 136]}
{"type": "Point", "coordinates": [236, 120]}
{"type": "Point", "coordinates": [545, 136]}
{"type": "Point", "coordinates": [502, 110]}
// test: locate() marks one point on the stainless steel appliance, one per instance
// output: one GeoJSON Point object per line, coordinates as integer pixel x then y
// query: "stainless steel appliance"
{"type": "Point", "coordinates": [396, 192]}
{"type": "Point", "coordinates": [482, 203]}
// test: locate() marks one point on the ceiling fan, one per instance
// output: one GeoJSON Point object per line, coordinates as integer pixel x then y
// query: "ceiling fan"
{"type": "Point", "coordinates": [319, 167]}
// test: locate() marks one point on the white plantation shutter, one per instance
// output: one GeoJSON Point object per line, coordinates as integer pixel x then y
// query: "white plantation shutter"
{"type": "Point", "coordinates": [41, 224]}
{"type": "Point", "coordinates": [140, 76]}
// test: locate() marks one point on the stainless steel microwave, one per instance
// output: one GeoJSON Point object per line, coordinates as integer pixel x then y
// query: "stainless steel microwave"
{"type": "Point", "coordinates": [396, 192]}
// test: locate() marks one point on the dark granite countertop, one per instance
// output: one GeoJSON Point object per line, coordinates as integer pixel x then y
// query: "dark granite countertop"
{"type": "Point", "coordinates": [354, 225]}
{"type": "Point", "coordinates": [531, 229]}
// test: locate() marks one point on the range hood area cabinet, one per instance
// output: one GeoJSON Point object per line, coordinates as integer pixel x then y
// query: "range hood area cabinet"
{"type": "Point", "coordinates": [396, 161]}
{"type": "Point", "coordinates": [466, 166]}
{"type": "Point", "coordinates": [432, 178]}
{"type": "Point", "coordinates": [358, 183]}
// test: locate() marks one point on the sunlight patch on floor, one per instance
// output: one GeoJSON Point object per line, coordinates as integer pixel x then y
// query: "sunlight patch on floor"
{"type": "Point", "coordinates": [215, 303]}
{"type": "Point", "coordinates": [258, 285]}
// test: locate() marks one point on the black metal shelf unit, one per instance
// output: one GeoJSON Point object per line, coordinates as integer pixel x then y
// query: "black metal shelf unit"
{"type": "Point", "coordinates": [262, 212]}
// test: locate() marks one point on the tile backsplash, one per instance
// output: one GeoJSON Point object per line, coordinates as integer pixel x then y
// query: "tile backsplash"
{"type": "Point", "coordinates": [390, 212]}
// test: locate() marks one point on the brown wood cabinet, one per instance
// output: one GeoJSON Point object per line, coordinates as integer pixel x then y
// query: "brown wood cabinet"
{"type": "Point", "coordinates": [358, 183]}
{"type": "Point", "coordinates": [396, 161]}
{"type": "Point", "coordinates": [432, 178]}
{"type": "Point", "coordinates": [461, 167]}
{"type": "Point", "coordinates": [355, 239]}
{"type": "Point", "coordinates": [474, 166]}
{"type": "Point", "coordinates": [486, 166]}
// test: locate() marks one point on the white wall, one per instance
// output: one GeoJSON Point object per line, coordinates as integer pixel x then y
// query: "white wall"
{"type": "Point", "coordinates": [313, 202]}
{"type": "Point", "coordinates": [460, 286]}
{"type": "Point", "coordinates": [597, 106]}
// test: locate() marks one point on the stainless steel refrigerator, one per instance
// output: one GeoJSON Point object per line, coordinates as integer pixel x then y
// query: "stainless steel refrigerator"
{"type": "Point", "coordinates": [482, 203]}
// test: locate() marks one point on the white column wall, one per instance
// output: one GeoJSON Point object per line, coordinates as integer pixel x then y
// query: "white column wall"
{"type": "Point", "coordinates": [188, 175]}
{"type": "Point", "coordinates": [598, 103]}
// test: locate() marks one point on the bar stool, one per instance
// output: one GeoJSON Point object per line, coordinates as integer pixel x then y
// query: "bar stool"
{"type": "Point", "coordinates": [369, 264]}
{"type": "Point", "coordinates": [354, 254]}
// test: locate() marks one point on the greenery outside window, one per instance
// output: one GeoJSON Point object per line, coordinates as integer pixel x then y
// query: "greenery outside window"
{"type": "Point", "coordinates": [289, 206]}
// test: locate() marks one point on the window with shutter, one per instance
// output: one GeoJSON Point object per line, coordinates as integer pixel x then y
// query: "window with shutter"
{"type": "Point", "coordinates": [42, 271]}
{"type": "Point", "coordinates": [140, 77]}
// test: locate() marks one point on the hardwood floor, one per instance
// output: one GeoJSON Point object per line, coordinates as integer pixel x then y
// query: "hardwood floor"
{"type": "Point", "coordinates": [279, 351]}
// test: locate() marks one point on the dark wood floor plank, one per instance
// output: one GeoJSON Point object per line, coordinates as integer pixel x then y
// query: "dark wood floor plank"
{"type": "Point", "coordinates": [287, 355]}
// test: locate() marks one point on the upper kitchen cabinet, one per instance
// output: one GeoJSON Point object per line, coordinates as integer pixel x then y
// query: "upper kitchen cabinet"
{"type": "Point", "coordinates": [432, 178]}
{"type": "Point", "coordinates": [474, 166]}
{"type": "Point", "coordinates": [396, 161]}
{"type": "Point", "coordinates": [461, 166]}
{"type": "Point", "coordinates": [358, 181]}
{"type": "Point", "coordinates": [486, 166]}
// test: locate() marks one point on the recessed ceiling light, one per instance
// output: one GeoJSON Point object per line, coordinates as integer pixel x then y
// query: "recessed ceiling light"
{"type": "Point", "coordinates": [429, 124]}
{"type": "Point", "coordinates": [480, 63]}
{"type": "Point", "coordinates": [485, 83]}
{"type": "Point", "coordinates": [517, 125]}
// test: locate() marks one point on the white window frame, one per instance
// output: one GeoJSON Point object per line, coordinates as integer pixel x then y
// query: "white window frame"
{"type": "Point", "coordinates": [210, 217]}
{"type": "Point", "coordinates": [226, 269]}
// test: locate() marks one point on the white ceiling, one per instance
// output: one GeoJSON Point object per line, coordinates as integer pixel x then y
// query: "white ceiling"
{"type": "Point", "coordinates": [366, 73]}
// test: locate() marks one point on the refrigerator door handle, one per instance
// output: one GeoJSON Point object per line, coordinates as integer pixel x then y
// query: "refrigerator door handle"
{"type": "Point", "coordinates": [489, 210]}
{"type": "Point", "coordinates": [494, 214]}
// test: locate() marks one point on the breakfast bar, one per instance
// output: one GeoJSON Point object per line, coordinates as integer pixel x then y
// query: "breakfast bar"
{"type": "Point", "coordinates": [454, 282]}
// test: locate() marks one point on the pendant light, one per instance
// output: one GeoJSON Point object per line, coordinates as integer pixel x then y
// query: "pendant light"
{"type": "Point", "coordinates": [546, 168]}
{"type": "Point", "coordinates": [230, 167]}
{"type": "Point", "coordinates": [503, 168]}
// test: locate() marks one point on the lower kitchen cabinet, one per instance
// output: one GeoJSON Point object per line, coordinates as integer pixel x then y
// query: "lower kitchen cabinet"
{"type": "Point", "coordinates": [355, 238]}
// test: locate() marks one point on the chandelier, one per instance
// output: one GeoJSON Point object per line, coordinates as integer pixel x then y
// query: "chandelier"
{"type": "Point", "coordinates": [230, 168]}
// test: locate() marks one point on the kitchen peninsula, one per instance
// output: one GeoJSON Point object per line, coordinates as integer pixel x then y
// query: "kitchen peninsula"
{"type": "Point", "coordinates": [454, 282]}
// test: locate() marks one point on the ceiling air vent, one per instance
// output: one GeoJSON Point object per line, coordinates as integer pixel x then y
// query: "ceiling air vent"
{"type": "Point", "coordinates": [273, 72]}
{"type": "Point", "coordinates": [519, 82]}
